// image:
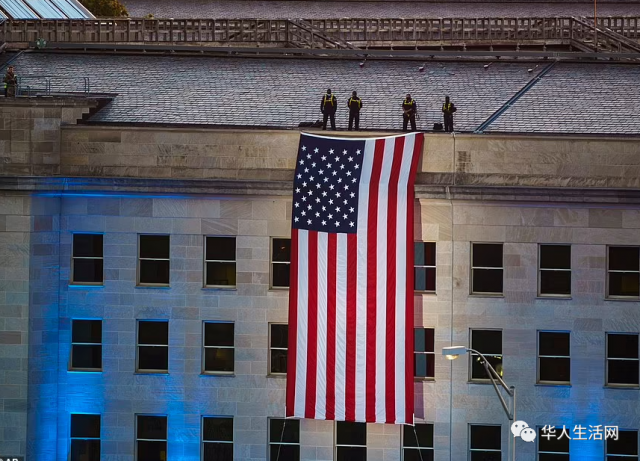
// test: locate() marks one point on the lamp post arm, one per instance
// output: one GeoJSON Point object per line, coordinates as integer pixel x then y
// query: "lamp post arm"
{"type": "Point", "coordinates": [495, 386]}
{"type": "Point", "coordinates": [492, 371]}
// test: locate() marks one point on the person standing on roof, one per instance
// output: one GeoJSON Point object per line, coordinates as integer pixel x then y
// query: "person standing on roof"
{"type": "Point", "coordinates": [447, 110]}
{"type": "Point", "coordinates": [354, 104]}
{"type": "Point", "coordinates": [409, 109]}
{"type": "Point", "coordinates": [10, 82]}
{"type": "Point", "coordinates": [328, 107]}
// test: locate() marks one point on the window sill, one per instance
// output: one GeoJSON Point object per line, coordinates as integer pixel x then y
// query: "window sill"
{"type": "Point", "coordinates": [418, 379]}
{"type": "Point", "coordinates": [554, 297]}
{"type": "Point", "coordinates": [86, 285]}
{"type": "Point", "coordinates": [631, 387]}
{"type": "Point", "coordinates": [278, 288]}
{"type": "Point", "coordinates": [553, 384]}
{"type": "Point", "coordinates": [419, 292]}
{"type": "Point", "coordinates": [220, 288]}
{"type": "Point", "coordinates": [88, 370]}
{"type": "Point", "coordinates": [277, 375]}
{"type": "Point", "coordinates": [486, 295]}
{"type": "Point", "coordinates": [223, 374]}
{"type": "Point", "coordinates": [479, 381]}
{"type": "Point", "coordinates": [145, 373]}
{"type": "Point", "coordinates": [624, 299]}
{"type": "Point", "coordinates": [153, 286]}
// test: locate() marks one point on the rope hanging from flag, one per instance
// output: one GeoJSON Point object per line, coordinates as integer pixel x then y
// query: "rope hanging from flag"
{"type": "Point", "coordinates": [351, 292]}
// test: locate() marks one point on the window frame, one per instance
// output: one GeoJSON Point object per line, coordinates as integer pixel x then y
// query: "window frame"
{"type": "Point", "coordinates": [483, 450]}
{"type": "Point", "coordinates": [272, 262]}
{"type": "Point", "coordinates": [488, 294]}
{"type": "Point", "coordinates": [86, 370]}
{"type": "Point", "coordinates": [205, 347]}
{"type": "Point", "coordinates": [538, 452]}
{"type": "Point", "coordinates": [541, 269]}
{"type": "Point", "coordinates": [140, 259]}
{"type": "Point", "coordinates": [206, 261]}
{"type": "Point", "coordinates": [165, 440]}
{"type": "Point", "coordinates": [607, 282]}
{"type": "Point", "coordinates": [616, 456]}
{"type": "Point", "coordinates": [272, 373]}
{"type": "Point", "coordinates": [472, 355]}
{"type": "Point", "coordinates": [150, 371]}
{"type": "Point", "coordinates": [424, 378]}
{"type": "Point", "coordinates": [71, 438]}
{"type": "Point", "coordinates": [203, 442]}
{"type": "Point", "coordinates": [336, 447]}
{"type": "Point", "coordinates": [72, 280]}
{"type": "Point", "coordinates": [539, 356]}
{"type": "Point", "coordinates": [434, 267]}
{"type": "Point", "coordinates": [270, 443]}
{"type": "Point", "coordinates": [607, 359]}
{"type": "Point", "coordinates": [403, 448]}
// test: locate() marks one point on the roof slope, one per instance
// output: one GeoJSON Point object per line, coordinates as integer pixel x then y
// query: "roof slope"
{"type": "Point", "coordinates": [572, 98]}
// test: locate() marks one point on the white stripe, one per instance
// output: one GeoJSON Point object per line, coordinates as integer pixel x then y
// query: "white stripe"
{"type": "Point", "coordinates": [401, 280]}
{"type": "Point", "coordinates": [381, 285]}
{"type": "Point", "coordinates": [302, 327]}
{"type": "Point", "coordinates": [361, 296]}
{"type": "Point", "coordinates": [341, 324]}
{"type": "Point", "coordinates": [321, 371]}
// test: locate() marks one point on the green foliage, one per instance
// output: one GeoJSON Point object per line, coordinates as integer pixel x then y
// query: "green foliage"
{"type": "Point", "coordinates": [106, 8]}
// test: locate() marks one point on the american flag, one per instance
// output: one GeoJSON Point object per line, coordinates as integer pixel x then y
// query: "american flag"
{"type": "Point", "coordinates": [351, 290]}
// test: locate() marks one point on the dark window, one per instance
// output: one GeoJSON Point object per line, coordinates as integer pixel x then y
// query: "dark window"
{"type": "Point", "coordinates": [623, 449]}
{"type": "Point", "coordinates": [86, 345]}
{"type": "Point", "coordinates": [351, 441]}
{"type": "Point", "coordinates": [624, 272]}
{"type": "Point", "coordinates": [151, 438]}
{"type": "Point", "coordinates": [424, 359]}
{"type": "Point", "coordinates": [218, 355]}
{"type": "Point", "coordinates": [220, 261]}
{"type": "Point", "coordinates": [284, 439]}
{"type": "Point", "coordinates": [424, 266]}
{"type": "Point", "coordinates": [153, 346]}
{"type": "Point", "coordinates": [153, 260]}
{"type": "Point", "coordinates": [280, 262]}
{"type": "Point", "coordinates": [486, 268]}
{"type": "Point", "coordinates": [87, 260]}
{"type": "Point", "coordinates": [485, 443]}
{"type": "Point", "coordinates": [554, 357]}
{"type": "Point", "coordinates": [489, 343]}
{"type": "Point", "coordinates": [550, 446]}
{"type": "Point", "coordinates": [217, 438]}
{"type": "Point", "coordinates": [555, 270]}
{"type": "Point", "coordinates": [85, 437]}
{"type": "Point", "coordinates": [622, 360]}
{"type": "Point", "coordinates": [417, 442]}
{"type": "Point", "coordinates": [278, 346]}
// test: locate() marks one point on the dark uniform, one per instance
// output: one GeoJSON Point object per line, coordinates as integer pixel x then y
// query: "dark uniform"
{"type": "Point", "coordinates": [10, 82]}
{"type": "Point", "coordinates": [328, 106]}
{"type": "Point", "coordinates": [448, 109]}
{"type": "Point", "coordinates": [409, 108]}
{"type": "Point", "coordinates": [354, 105]}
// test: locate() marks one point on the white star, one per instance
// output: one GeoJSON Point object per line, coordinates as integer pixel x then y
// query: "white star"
{"type": "Point", "coordinates": [328, 165]}
{"type": "Point", "coordinates": [296, 219]}
{"type": "Point", "coordinates": [301, 162]}
{"type": "Point", "coordinates": [304, 184]}
{"type": "Point", "coordinates": [308, 221]}
{"type": "Point", "coordinates": [342, 167]}
{"type": "Point", "coordinates": [317, 199]}
{"type": "Point", "coordinates": [339, 180]}
{"type": "Point", "coordinates": [334, 172]}
{"type": "Point", "coordinates": [331, 151]}
{"type": "Point", "coordinates": [330, 216]}
{"type": "Point", "coordinates": [318, 185]}
{"type": "Point", "coordinates": [324, 208]}
{"type": "Point", "coordinates": [324, 193]}
{"type": "Point", "coordinates": [337, 209]}
{"type": "Point", "coordinates": [318, 215]}
{"type": "Point", "coordinates": [310, 178]}
{"type": "Point", "coordinates": [297, 190]}
{"type": "Point", "coordinates": [316, 150]}
{"type": "Point", "coordinates": [323, 158]}
{"type": "Point", "coordinates": [354, 180]}
{"type": "Point", "coordinates": [304, 147]}
{"type": "Point", "coordinates": [303, 213]}
{"type": "Point", "coordinates": [338, 194]}
{"type": "Point", "coordinates": [326, 179]}
{"type": "Point", "coordinates": [337, 223]}
{"type": "Point", "coordinates": [346, 187]}
{"type": "Point", "coordinates": [306, 170]}
{"type": "Point", "coordinates": [344, 152]}
{"type": "Point", "coordinates": [308, 155]}
{"type": "Point", "coordinates": [304, 199]}
{"type": "Point", "coordinates": [337, 159]}
{"type": "Point", "coordinates": [351, 210]}
{"type": "Point", "coordinates": [299, 176]}
{"type": "Point", "coordinates": [351, 195]}
{"type": "Point", "coordinates": [348, 173]}
{"type": "Point", "coordinates": [330, 202]}
{"type": "Point", "coordinates": [310, 192]}
{"type": "Point", "coordinates": [351, 224]}
{"type": "Point", "coordinates": [324, 223]}
{"type": "Point", "coordinates": [296, 204]}
{"type": "Point", "coordinates": [331, 186]}
{"type": "Point", "coordinates": [313, 165]}
{"type": "Point", "coordinates": [344, 216]}
{"type": "Point", "coordinates": [358, 152]}
{"type": "Point", "coordinates": [320, 171]}
{"type": "Point", "coordinates": [357, 166]}
{"type": "Point", "coordinates": [308, 207]}
{"type": "Point", "coordinates": [344, 201]}
{"type": "Point", "coordinates": [350, 159]}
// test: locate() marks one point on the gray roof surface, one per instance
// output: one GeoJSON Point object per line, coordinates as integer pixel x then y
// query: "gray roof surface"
{"type": "Point", "coordinates": [239, 9]}
{"type": "Point", "coordinates": [283, 92]}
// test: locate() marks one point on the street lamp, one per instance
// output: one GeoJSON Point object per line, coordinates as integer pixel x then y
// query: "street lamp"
{"type": "Point", "coordinates": [453, 352]}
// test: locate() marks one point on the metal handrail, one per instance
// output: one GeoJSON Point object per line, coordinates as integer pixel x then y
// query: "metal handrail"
{"type": "Point", "coordinates": [45, 85]}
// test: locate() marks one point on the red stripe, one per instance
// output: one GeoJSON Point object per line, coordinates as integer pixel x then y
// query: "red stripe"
{"type": "Point", "coordinates": [293, 323]}
{"type": "Point", "coordinates": [332, 250]}
{"type": "Point", "coordinates": [312, 335]}
{"type": "Point", "coordinates": [372, 278]}
{"type": "Point", "coordinates": [409, 387]}
{"type": "Point", "coordinates": [392, 218]}
{"type": "Point", "coordinates": [352, 280]}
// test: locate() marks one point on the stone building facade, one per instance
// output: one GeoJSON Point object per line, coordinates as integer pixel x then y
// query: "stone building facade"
{"type": "Point", "coordinates": [515, 193]}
